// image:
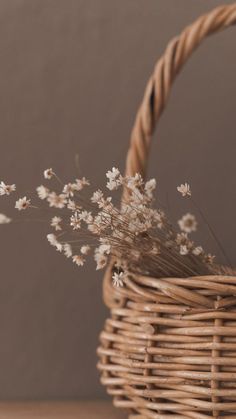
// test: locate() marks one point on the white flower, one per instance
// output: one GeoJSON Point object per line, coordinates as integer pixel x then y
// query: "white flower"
{"type": "Point", "coordinates": [94, 228]}
{"type": "Point", "coordinates": [52, 239]}
{"type": "Point", "coordinates": [72, 205]}
{"type": "Point", "coordinates": [188, 223]}
{"type": "Point", "coordinates": [22, 203]}
{"type": "Point", "coordinates": [134, 182]}
{"type": "Point", "coordinates": [59, 247]}
{"type": "Point", "coordinates": [197, 250]}
{"type": "Point", "coordinates": [97, 196]}
{"type": "Point", "coordinates": [75, 221]}
{"type": "Point", "coordinates": [184, 189]}
{"type": "Point", "coordinates": [101, 260]}
{"type": "Point", "coordinates": [85, 249]}
{"type": "Point", "coordinates": [6, 189]}
{"type": "Point", "coordinates": [4, 219]}
{"type": "Point", "coordinates": [80, 183]}
{"type": "Point", "coordinates": [104, 249]}
{"type": "Point", "coordinates": [106, 203]}
{"type": "Point", "coordinates": [100, 255]}
{"type": "Point", "coordinates": [57, 201]}
{"type": "Point", "coordinates": [113, 174]}
{"type": "Point", "coordinates": [48, 173]}
{"type": "Point", "coordinates": [54, 242]}
{"type": "Point", "coordinates": [67, 250]}
{"type": "Point", "coordinates": [118, 279]}
{"type": "Point", "coordinates": [150, 185]}
{"type": "Point", "coordinates": [114, 179]}
{"type": "Point", "coordinates": [79, 260]}
{"type": "Point", "coordinates": [42, 192]}
{"type": "Point", "coordinates": [86, 216]}
{"type": "Point", "coordinates": [69, 189]}
{"type": "Point", "coordinates": [183, 250]}
{"type": "Point", "coordinates": [55, 222]}
{"type": "Point", "coordinates": [112, 185]}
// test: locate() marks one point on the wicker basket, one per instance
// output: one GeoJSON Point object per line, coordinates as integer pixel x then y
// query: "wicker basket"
{"type": "Point", "coordinates": [169, 348]}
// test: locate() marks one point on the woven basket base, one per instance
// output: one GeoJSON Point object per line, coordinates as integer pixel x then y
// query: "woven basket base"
{"type": "Point", "coordinates": [169, 348]}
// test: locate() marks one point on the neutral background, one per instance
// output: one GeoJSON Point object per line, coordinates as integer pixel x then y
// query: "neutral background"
{"type": "Point", "coordinates": [72, 74]}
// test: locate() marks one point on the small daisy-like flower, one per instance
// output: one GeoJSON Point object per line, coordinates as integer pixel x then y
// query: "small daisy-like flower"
{"type": "Point", "coordinates": [197, 251]}
{"type": "Point", "coordinates": [86, 216]}
{"type": "Point", "coordinates": [101, 261]}
{"type": "Point", "coordinates": [118, 279]}
{"type": "Point", "coordinates": [69, 189]}
{"type": "Point", "coordinates": [52, 239]}
{"type": "Point", "coordinates": [75, 221]}
{"type": "Point", "coordinates": [54, 242]}
{"type": "Point", "coordinates": [113, 174]}
{"type": "Point", "coordinates": [159, 218]}
{"type": "Point", "coordinates": [183, 250]}
{"type": "Point", "coordinates": [6, 189]}
{"type": "Point", "coordinates": [94, 228]}
{"type": "Point", "coordinates": [22, 203]}
{"type": "Point", "coordinates": [184, 189]}
{"type": "Point", "coordinates": [85, 249]}
{"type": "Point", "coordinates": [71, 205]}
{"type": "Point", "coordinates": [97, 196]}
{"type": "Point", "coordinates": [150, 186]}
{"type": "Point", "coordinates": [67, 250]}
{"type": "Point", "coordinates": [134, 182]}
{"type": "Point", "coordinates": [4, 219]}
{"type": "Point", "coordinates": [57, 201]}
{"type": "Point", "coordinates": [112, 185]}
{"type": "Point", "coordinates": [81, 183]}
{"type": "Point", "coordinates": [104, 249]}
{"type": "Point", "coordinates": [114, 179]}
{"type": "Point", "coordinates": [48, 173]}
{"type": "Point", "coordinates": [105, 203]}
{"type": "Point", "coordinates": [59, 247]}
{"type": "Point", "coordinates": [55, 222]}
{"type": "Point", "coordinates": [100, 255]}
{"type": "Point", "coordinates": [188, 223]}
{"type": "Point", "coordinates": [42, 192]}
{"type": "Point", "coordinates": [79, 260]}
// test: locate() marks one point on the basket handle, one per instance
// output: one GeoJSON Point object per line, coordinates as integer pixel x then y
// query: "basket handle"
{"type": "Point", "coordinates": [155, 99]}
{"type": "Point", "coordinates": [158, 87]}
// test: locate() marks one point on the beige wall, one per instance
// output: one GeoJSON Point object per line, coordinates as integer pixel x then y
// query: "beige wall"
{"type": "Point", "coordinates": [72, 73]}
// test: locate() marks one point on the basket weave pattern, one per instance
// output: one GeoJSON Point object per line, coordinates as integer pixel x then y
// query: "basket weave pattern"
{"type": "Point", "coordinates": [169, 348]}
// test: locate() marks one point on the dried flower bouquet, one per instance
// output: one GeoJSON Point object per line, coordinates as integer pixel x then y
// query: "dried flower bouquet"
{"type": "Point", "coordinates": [138, 237]}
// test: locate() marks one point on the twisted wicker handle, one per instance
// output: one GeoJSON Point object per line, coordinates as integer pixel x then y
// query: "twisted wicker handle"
{"type": "Point", "coordinates": [158, 88]}
{"type": "Point", "coordinates": [155, 99]}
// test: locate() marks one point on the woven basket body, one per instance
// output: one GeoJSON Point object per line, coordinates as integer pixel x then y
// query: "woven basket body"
{"type": "Point", "coordinates": [169, 348]}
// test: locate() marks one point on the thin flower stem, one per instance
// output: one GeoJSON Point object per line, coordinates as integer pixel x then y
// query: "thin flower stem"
{"type": "Point", "coordinates": [212, 233]}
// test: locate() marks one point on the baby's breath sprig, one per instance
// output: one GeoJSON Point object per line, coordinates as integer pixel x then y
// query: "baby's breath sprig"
{"type": "Point", "coordinates": [136, 235]}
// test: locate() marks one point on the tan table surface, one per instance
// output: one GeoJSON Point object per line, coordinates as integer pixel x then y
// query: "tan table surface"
{"type": "Point", "coordinates": [60, 410]}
